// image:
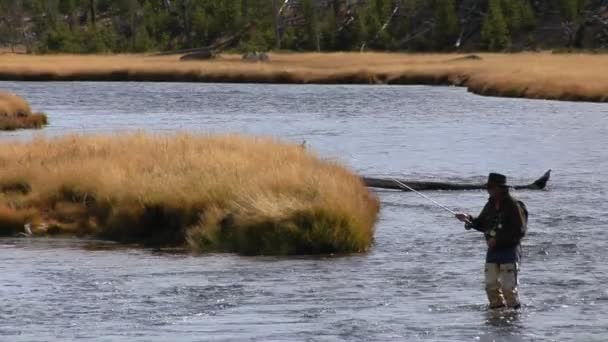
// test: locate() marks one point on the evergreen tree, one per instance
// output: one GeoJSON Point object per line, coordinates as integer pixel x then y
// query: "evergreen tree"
{"type": "Point", "coordinates": [228, 16]}
{"type": "Point", "coordinates": [571, 9]}
{"type": "Point", "coordinates": [96, 39]}
{"type": "Point", "coordinates": [494, 31]}
{"type": "Point", "coordinates": [376, 30]}
{"type": "Point", "coordinates": [68, 8]}
{"type": "Point", "coordinates": [351, 35]}
{"type": "Point", "coordinates": [445, 31]}
{"type": "Point", "coordinates": [259, 16]}
{"type": "Point", "coordinates": [143, 25]}
{"type": "Point", "coordinates": [310, 31]}
{"type": "Point", "coordinates": [527, 15]}
{"type": "Point", "coordinates": [518, 14]}
{"type": "Point", "coordinates": [409, 23]}
{"type": "Point", "coordinates": [288, 39]}
{"type": "Point", "coordinates": [370, 22]}
{"type": "Point", "coordinates": [329, 31]}
{"type": "Point", "coordinates": [512, 13]}
{"type": "Point", "coordinates": [159, 24]}
{"type": "Point", "coordinates": [11, 23]}
{"type": "Point", "coordinates": [59, 38]}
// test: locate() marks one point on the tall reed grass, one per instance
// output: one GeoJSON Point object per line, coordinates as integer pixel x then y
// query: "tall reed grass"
{"type": "Point", "coordinates": [206, 193]}
{"type": "Point", "coordinates": [580, 77]}
{"type": "Point", "coordinates": [15, 113]}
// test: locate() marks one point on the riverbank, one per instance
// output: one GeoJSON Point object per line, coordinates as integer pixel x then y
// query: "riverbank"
{"type": "Point", "coordinates": [204, 193]}
{"type": "Point", "coordinates": [15, 113]}
{"type": "Point", "coordinates": [572, 77]}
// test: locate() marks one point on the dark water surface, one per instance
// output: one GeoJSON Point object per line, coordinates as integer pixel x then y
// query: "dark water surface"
{"type": "Point", "coordinates": [422, 281]}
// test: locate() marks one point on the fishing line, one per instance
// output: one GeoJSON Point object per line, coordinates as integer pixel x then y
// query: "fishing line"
{"type": "Point", "coordinates": [407, 187]}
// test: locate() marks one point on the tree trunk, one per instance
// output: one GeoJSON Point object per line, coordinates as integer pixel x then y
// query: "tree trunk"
{"type": "Point", "coordinates": [277, 33]}
{"type": "Point", "coordinates": [92, 8]}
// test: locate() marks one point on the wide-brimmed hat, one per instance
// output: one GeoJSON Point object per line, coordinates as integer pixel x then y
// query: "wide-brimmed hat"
{"type": "Point", "coordinates": [496, 179]}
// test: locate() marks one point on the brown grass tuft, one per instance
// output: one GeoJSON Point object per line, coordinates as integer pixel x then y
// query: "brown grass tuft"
{"type": "Point", "coordinates": [15, 113]}
{"type": "Point", "coordinates": [208, 193]}
{"type": "Point", "coordinates": [581, 77]}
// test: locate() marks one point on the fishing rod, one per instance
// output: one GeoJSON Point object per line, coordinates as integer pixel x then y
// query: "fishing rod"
{"type": "Point", "coordinates": [407, 187]}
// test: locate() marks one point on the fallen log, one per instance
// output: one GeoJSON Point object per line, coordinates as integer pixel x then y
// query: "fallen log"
{"type": "Point", "coordinates": [388, 183]}
{"type": "Point", "coordinates": [183, 51]}
{"type": "Point", "coordinates": [201, 55]}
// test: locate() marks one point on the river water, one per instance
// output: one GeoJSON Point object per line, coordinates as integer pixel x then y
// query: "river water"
{"type": "Point", "coordinates": [422, 281]}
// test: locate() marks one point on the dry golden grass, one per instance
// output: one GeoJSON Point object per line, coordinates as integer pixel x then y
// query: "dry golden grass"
{"type": "Point", "coordinates": [207, 193]}
{"type": "Point", "coordinates": [581, 77]}
{"type": "Point", "coordinates": [15, 113]}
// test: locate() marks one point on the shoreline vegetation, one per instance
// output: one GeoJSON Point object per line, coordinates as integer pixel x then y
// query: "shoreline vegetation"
{"type": "Point", "coordinates": [202, 193]}
{"type": "Point", "coordinates": [15, 113]}
{"type": "Point", "coordinates": [569, 77]}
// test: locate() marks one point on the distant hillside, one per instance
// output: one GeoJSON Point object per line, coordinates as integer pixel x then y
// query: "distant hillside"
{"type": "Point", "coordinates": [93, 26]}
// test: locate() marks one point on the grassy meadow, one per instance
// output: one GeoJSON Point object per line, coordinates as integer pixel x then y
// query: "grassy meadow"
{"type": "Point", "coordinates": [15, 113]}
{"type": "Point", "coordinates": [576, 77]}
{"type": "Point", "coordinates": [203, 193]}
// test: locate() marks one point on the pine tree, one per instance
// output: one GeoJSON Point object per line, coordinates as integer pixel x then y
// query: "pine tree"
{"type": "Point", "coordinates": [494, 31]}
{"type": "Point", "coordinates": [571, 9]}
{"type": "Point", "coordinates": [371, 22]}
{"type": "Point", "coordinates": [329, 31]}
{"type": "Point", "coordinates": [382, 38]}
{"type": "Point", "coordinates": [351, 36]}
{"type": "Point", "coordinates": [512, 12]}
{"type": "Point", "coordinates": [229, 16]}
{"type": "Point", "coordinates": [528, 20]}
{"type": "Point", "coordinates": [68, 8]}
{"type": "Point", "coordinates": [159, 23]}
{"type": "Point", "coordinates": [11, 23]}
{"type": "Point", "coordinates": [288, 39]}
{"type": "Point", "coordinates": [408, 24]}
{"type": "Point", "coordinates": [310, 30]}
{"type": "Point", "coordinates": [446, 27]}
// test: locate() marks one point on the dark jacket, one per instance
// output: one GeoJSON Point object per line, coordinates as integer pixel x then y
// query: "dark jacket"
{"type": "Point", "coordinates": [504, 225]}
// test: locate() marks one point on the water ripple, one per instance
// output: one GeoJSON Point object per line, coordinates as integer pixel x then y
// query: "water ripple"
{"type": "Point", "coordinates": [423, 279]}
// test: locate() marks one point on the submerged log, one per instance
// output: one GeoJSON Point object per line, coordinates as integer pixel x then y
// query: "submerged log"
{"type": "Point", "coordinates": [388, 183]}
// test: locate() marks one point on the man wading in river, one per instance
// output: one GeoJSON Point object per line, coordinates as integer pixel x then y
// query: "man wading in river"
{"type": "Point", "coordinates": [503, 222]}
